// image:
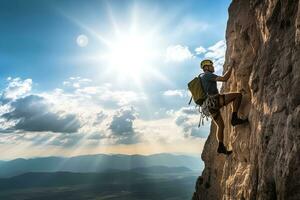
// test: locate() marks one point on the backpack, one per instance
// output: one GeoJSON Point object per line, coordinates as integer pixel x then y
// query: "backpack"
{"type": "Point", "coordinates": [199, 96]}
{"type": "Point", "coordinates": [198, 93]}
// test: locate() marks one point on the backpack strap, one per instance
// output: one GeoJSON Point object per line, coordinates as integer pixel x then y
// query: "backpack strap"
{"type": "Point", "coordinates": [190, 100]}
{"type": "Point", "coordinates": [201, 80]}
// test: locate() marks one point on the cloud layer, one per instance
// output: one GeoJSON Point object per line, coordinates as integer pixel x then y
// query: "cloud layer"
{"type": "Point", "coordinates": [33, 113]}
{"type": "Point", "coordinates": [83, 113]}
{"type": "Point", "coordinates": [178, 53]}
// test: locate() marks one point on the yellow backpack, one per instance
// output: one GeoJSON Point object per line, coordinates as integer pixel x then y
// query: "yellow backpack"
{"type": "Point", "coordinates": [198, 93]}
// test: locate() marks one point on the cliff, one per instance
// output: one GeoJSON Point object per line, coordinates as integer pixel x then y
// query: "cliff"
{"type": "Point", "coordinates": [263, 37]}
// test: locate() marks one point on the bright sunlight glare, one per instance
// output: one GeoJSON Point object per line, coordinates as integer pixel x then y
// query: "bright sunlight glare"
{"type": "Point", "coordinates": [131, 53]}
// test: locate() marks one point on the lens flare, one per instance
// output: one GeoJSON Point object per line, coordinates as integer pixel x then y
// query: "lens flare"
{"type": "Point", "coordinates": [82, 40]}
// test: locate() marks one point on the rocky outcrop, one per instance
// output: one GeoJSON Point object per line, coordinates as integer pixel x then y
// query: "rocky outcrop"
{"type": "Point", "coordinates": [263, 38]}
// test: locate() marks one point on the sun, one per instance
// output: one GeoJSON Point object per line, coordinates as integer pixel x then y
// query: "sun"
{"type": "Point", "coordinates": [131, 53]}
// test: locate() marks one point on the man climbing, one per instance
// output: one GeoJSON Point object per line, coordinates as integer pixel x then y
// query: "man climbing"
{"type": "Point", "coordinates": [215, 101]}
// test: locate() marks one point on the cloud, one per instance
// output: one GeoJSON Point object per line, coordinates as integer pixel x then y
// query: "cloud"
{"type": "Point", "coordinates": [189, 110]}
{"type": "Point", "coordinates": [107, 96]}
{"type": "Point", "coordinates": [122, 126]}
{"type": "Point", "coordinates": [33, 113]}
{"type": "Point", "coordinates": [162, 130]}
{"type": "Point", "coordinates": [200, 50]}
{"type": "Point", "coordinates": [76, 82]}
{"type": "Point", "coordinates": [216, 52]}
{"type": "Point", "coordinates": [45, 118]}
{"type": "Point", "coordinates": [99, 118]}
{"type": "Point", "coordinates": [188, 119]}
{"type": "Point", "coordinates": [66, 140]}
{"type": "Point", "coordinates": [178, 53]}
{"type": "Point", "coordinates": [122, 122]}
{"type": "Point", "coordinates": [95, 136]}
{"type": "Point", "coordinates": [16, 88]}
{"type": "Point", "coordinates": [180, 93]}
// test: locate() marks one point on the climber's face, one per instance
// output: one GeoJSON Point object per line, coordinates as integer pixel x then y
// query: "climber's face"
{"type": "Point", "coordinates": [210, 68]}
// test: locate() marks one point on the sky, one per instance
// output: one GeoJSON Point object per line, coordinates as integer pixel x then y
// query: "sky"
{"type": "Point", "coordinates": [104, 76]}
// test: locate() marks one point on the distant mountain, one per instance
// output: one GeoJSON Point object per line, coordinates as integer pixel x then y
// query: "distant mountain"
{"type": "Point", "coordinates": [97, 163]}
{"type": "Point", "coordinates": [57, 179]}
{"type": "Point", "coordinates": [2, 162]}
{"type": "Point", "coordinates": [161, 170]}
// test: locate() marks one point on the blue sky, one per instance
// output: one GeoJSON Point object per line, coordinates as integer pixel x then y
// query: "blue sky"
{"type": "Point", "coordinates": [104, 76]}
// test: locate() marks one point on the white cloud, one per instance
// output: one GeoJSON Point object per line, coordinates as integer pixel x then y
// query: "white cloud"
{"type": "Point", "coordinates": [106, 94]}
{"type": "Point", "coordinates": [16, 88]}
{"type": "Point", "coordinates": [200, 50]}
{"type": "Point", "coordinates": [178, 53]}
{"type": "Point", "coordinates": [159, 130]}
{"type": "Point", "coordinates": [76, 82]}
{"type": "Point", "coordinates": [89, 90]}
{"type": "Point", "coordinates": [122, 97]}
{"type": "Point", "coordinates": [180, 93]}
{"type": "Point", "coordinates": [216, 52]}
{"type": "Point", "coordinates": [180, 125]}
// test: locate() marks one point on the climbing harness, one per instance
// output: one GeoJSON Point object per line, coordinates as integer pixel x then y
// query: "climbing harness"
{"type": "Point", "coordinates": [210, 104]}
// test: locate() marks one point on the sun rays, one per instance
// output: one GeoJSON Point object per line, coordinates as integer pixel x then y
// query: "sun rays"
{"type": "Point", "coordinates": [129, 52]}
{"type": "Point", "coordinates": [130, 55]}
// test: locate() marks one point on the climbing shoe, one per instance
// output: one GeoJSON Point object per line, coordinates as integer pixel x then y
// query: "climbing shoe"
{"type": "Point", "coordinates": [236, 121]}
{"type": "Point", "coordinates": [222, 149]}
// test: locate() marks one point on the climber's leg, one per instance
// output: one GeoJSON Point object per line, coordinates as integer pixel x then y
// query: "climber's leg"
{"type": "Point", "coordinates": [221, 100]}
{"type": "Point", "coordinates": [220, 133]}
{"type": "Point", "coordinates": [220, 124]}
{"type": "Point", "coordinates": [236, 98]}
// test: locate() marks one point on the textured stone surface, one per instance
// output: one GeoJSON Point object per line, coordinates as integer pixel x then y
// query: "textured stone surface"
{"type": "Point", "coordinates": [263, 37]}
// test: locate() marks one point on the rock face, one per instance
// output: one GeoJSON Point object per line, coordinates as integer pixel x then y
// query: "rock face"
{"type": "Point", "coordinates": [263, 38]}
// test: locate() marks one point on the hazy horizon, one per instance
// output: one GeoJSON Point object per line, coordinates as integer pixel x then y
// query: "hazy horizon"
{"type": "Point", "coordinates": [110, 154]}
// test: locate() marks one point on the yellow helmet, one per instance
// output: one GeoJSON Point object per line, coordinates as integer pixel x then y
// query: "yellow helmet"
{"type": "Point", "coordinates": [206, 62]}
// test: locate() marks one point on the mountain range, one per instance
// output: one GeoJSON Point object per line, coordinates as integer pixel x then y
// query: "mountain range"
{"type": "Point", "coordinates": [98, 163]}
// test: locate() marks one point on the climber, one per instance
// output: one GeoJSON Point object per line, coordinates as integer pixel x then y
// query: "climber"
{"type": "Point", "coordinates": [215, 101]}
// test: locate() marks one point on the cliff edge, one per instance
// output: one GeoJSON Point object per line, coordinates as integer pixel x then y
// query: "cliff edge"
{"type": "Point", "coordinates": [263, 37]}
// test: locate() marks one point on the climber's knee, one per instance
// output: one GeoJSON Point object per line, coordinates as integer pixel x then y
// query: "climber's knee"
{"type": "Point", "coordinates": [229, 97]}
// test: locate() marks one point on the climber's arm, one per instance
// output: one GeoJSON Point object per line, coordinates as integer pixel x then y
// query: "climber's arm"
{"type": "Point", "coordinates": [225, 77]}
